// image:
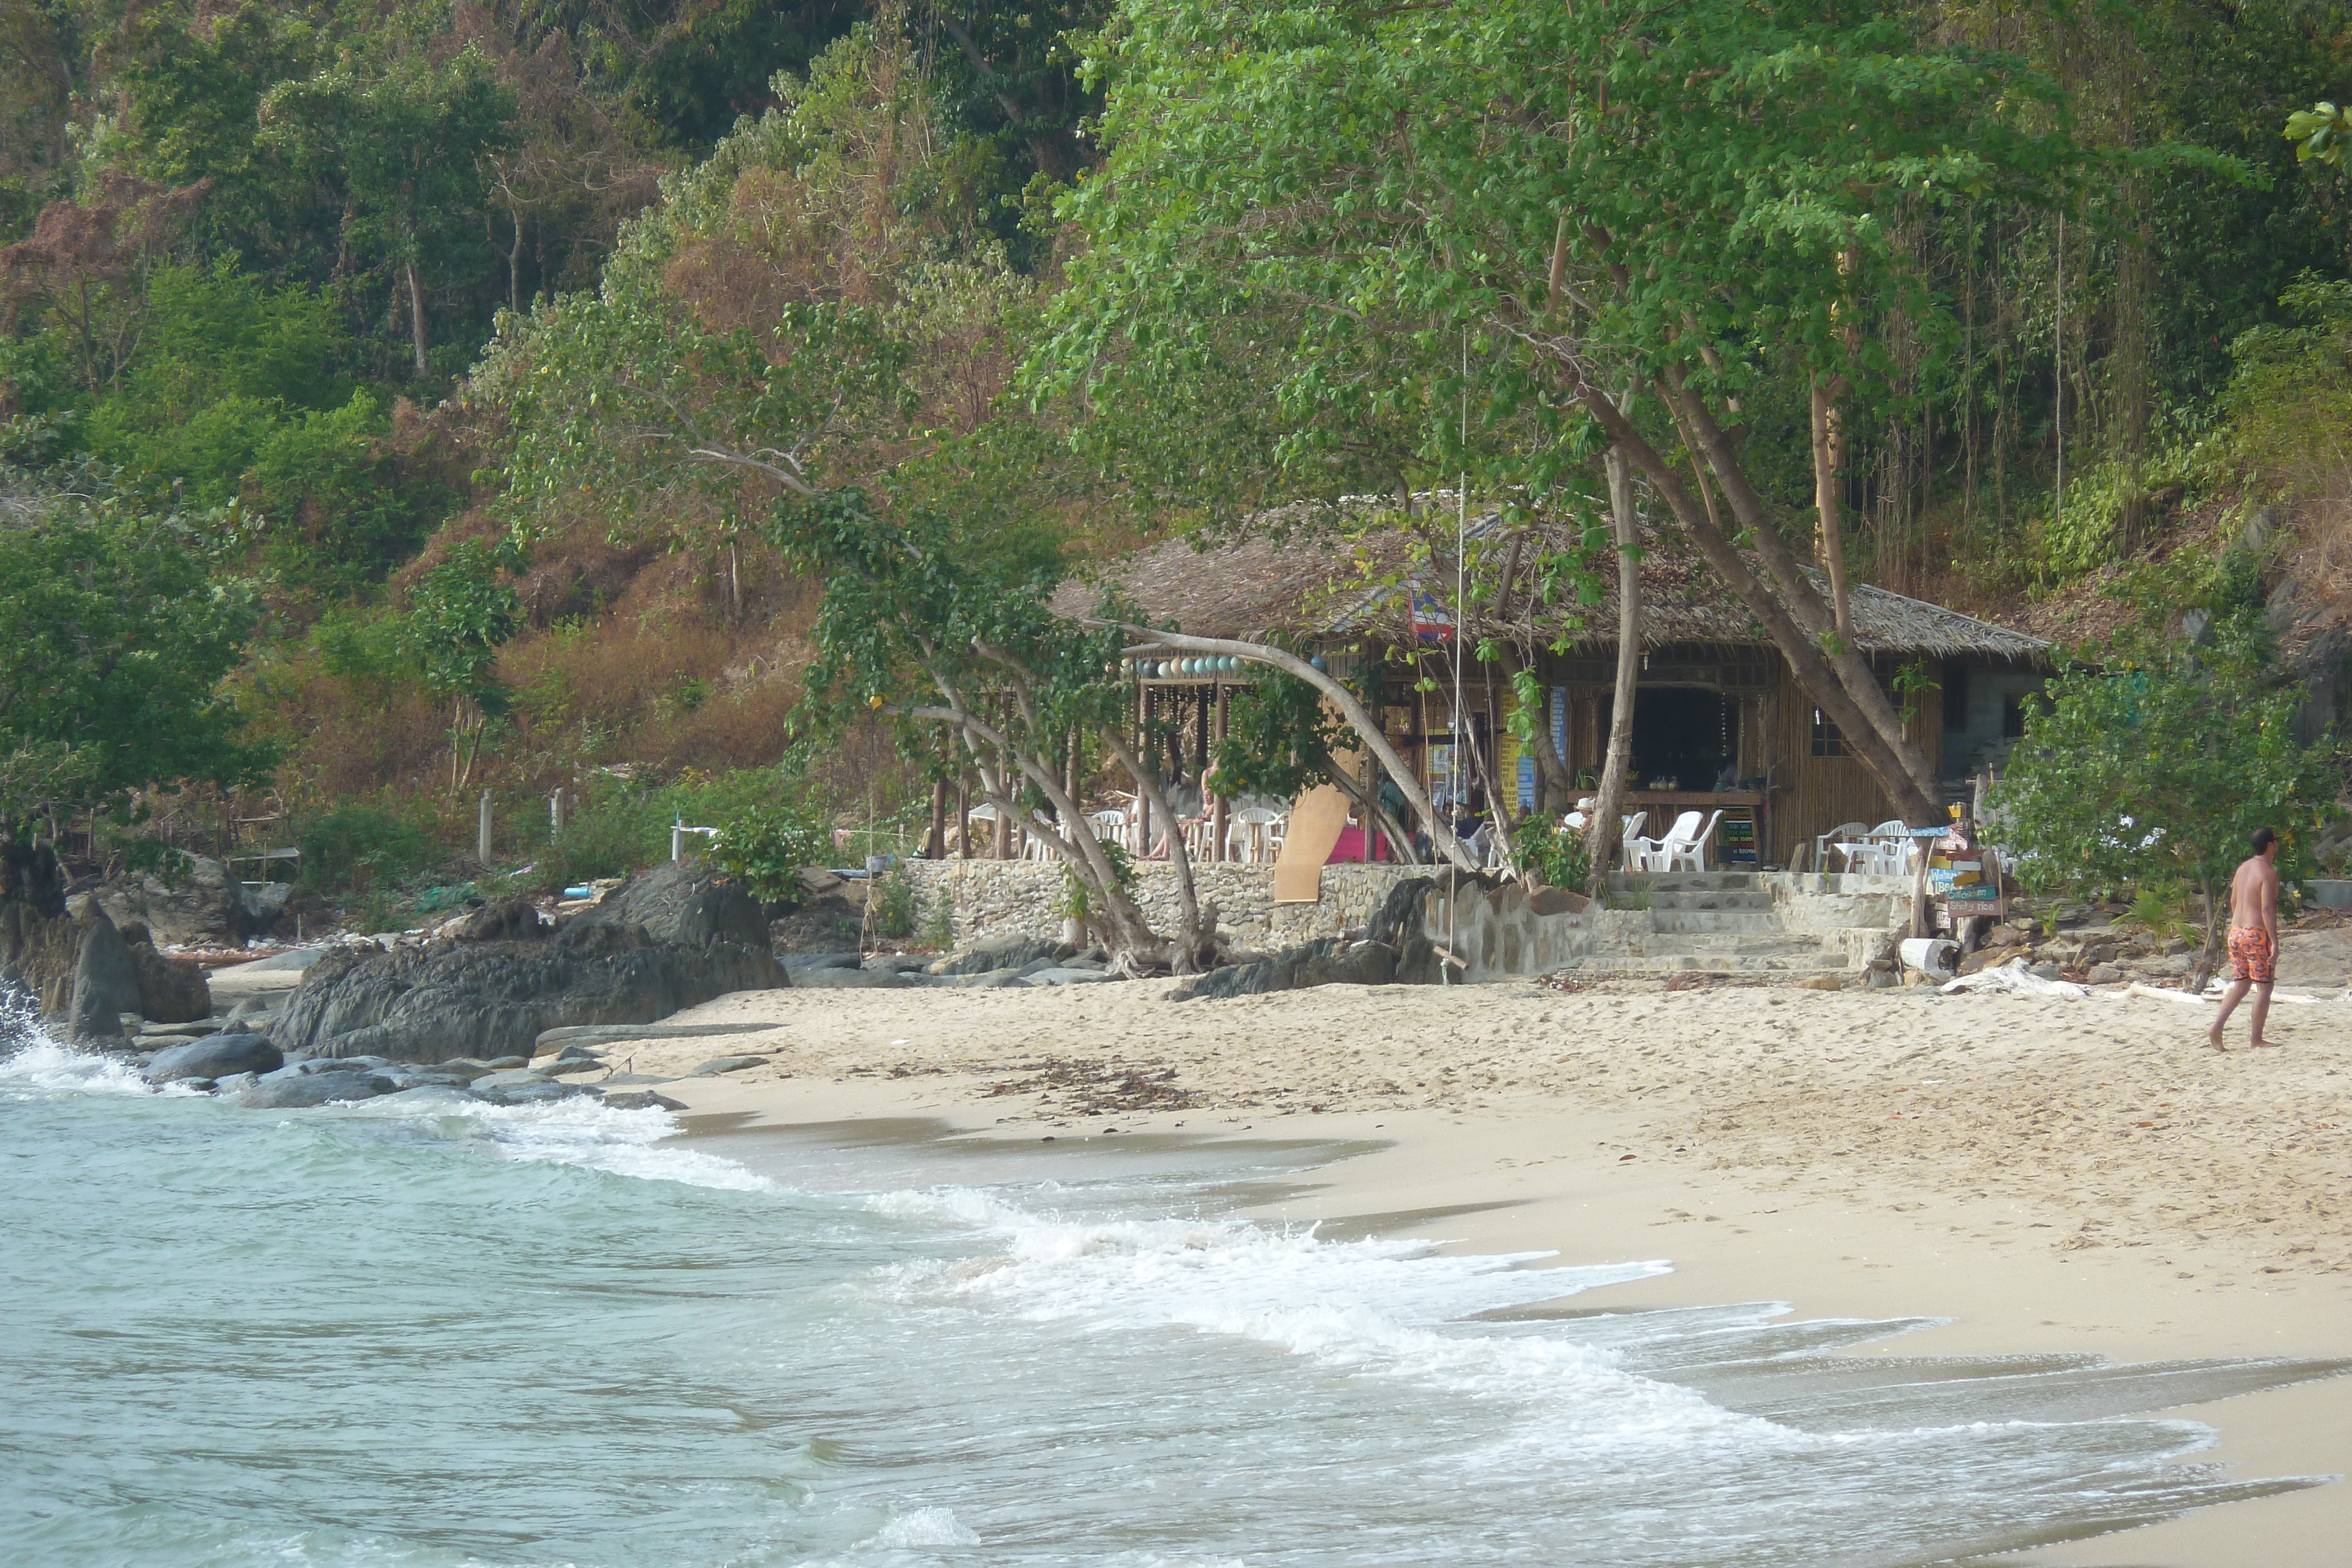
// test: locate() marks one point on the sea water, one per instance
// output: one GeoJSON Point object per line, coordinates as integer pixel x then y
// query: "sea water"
{"type": "Point", "coordinates": [425, 1331]}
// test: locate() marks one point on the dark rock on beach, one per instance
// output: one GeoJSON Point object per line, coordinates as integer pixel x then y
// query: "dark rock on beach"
{"type": "Point", "coordinates": [105, 983]}
{"type": "Point", "coordinates": [1328, 962]}
{"type": "Point", "coordinates": [216, 1056]}
{"type": "Point", "coordinates": [563, 1041]}
{"type": "Point", "coordinates": [685, 903]}
{"type": "Point", "coordinates": [1005, 953]}
{"type": "Point", "coordinates": [170, 990]}
{"type": "Point", "coordinates": [495, 998]}
{"type": "Point", "coordinates": [719, 1064]}
{"type": "Point", "coordinates": [642, 1100]}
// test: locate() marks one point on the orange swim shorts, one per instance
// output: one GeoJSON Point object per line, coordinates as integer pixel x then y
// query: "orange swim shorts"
{"type": "Point", "coordinates": [2253, 954]}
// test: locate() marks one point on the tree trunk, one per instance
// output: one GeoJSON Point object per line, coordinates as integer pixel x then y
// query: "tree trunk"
{"type": "Point", "coordinates": [1829, 459]}
{"type": "Point", "coordinates": [2208, 954]}
{"type": "Point", "coordinates": [514, 262]}
{"type": "Point", "coordinates": [1602, 830]}
{"type": "Point", "coordinates": [1899, 768]}
{"type": "Point", "coordinates": [1193, 941]}
{"type": "Point", "coordinates": [935, 847]}
{"type": "Point", "coordinates": [415, 316]}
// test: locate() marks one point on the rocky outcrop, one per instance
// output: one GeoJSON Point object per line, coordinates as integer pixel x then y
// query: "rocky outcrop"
{"type": "Point", "coordinates": [105, 983]}
{"type": "Point", "coordinates": [494, 997]}
{"type": "Point", "coordinates": [216, 1056]}
{"type": "Point", "coordinates": [1333, 961]}
{"type": "Point", "coordinates": [39, 956]}
{"type": "Point", "coordinates": [682, 902]}
{"type": "Point", "coordinates": [203, 906]}
{"type": "Point", "coordinates": [1004, 953]}
{"type": "Point", "coordinates": [170, 990]}
{"type": "Point", "coordinates": [86, 973]}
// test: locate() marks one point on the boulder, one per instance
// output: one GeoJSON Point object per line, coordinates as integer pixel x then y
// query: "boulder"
{"type": "Point", "coordinates": [643, 1100]}
{"type": "Point", "coordinates": [797, 962]}
{"type": "Point", "coordinates": [201, 906]}
{"type": "Point", "coordinates": [562, 1041]}
{"type": "Point", "coordinates": [1326, 962]}
{"type": "Point", "coordinates": [488, 999]}
{"type": "Point", "coordinates": [105, 983]}
{"type": "Point", "coordinates": [682, 902]}
{"type": "Point", "coordinates": [1004, 953]}
{"type": "Point", "coordinates": [314, 1089]}
{"type": "Point", "coordinates": [215, 1056]}
{"type": "Point", "coordinates": [719, 1064]}
{"type": "Point", "coordinates": [1064, 976]}
{"type": "Point", "coordinates": [853, 981]}
{"type": "Point", "coordinates": [504, 920]}
{"type": "Point", "coordinates": [170, 990]}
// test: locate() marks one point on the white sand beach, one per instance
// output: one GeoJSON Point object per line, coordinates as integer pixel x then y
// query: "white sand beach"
{"type": "Point", "coordinates": [2047, 1175]}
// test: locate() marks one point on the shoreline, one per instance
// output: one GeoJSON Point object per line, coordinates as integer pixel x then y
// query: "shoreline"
{"type": "Point", "coordinates": [1787, 1197]}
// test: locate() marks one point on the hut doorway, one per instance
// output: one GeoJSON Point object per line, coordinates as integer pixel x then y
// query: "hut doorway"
{"type": "Point", "coordinates": [1685, 739]}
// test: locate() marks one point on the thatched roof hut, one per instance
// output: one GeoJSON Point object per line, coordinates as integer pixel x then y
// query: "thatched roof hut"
{"type": "Point", "coordinates": [1318, 586]}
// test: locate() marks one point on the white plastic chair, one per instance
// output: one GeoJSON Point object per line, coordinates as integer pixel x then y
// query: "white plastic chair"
{"type": "Point", "coordinates": [1574, 822]}
{"type": "Point", "coordinates": [1035, 848]}
{"type": "Point", "coordinates": [1690, 855]}
{"type": "Point", "coordinates": [1112, 826]}
{"type": "Point", "coordinates": [1840, 838]}
{"type": "Point", "coordinates": [1887, 851]}
{"type": "Point", "coordinates": [1629, 839]}
{"type": "Point", "coordinates": [1657, 854]}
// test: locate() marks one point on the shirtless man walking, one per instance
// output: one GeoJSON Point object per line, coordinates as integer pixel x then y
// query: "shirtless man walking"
{"type": "Point", "coordinates": [2253, 935]}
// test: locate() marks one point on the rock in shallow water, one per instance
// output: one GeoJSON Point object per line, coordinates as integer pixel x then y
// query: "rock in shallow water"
{"type": "Point", "coordinates": [643, 1100]}
{"type": "Point", "coordinates": [307, 1089]}
{"type": "Point", "coordinates": [217, 1056]}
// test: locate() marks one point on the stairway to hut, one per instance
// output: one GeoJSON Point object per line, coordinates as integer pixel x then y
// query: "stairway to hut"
{"type": "Point", "coordinates": [1739, 924]}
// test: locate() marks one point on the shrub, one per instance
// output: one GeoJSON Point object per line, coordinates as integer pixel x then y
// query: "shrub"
{"type": "Point", "coordinates": [894, 908]}
{"type": "Point", "coordinates": [766, 848]}
{"type": "Point", "coordinates": [356, 845]}
{"type": "Point", "coordinates": [1542, 847]}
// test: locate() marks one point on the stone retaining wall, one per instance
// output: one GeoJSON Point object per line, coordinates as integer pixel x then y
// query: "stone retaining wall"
{"type": "Point", "coordinates": [1023, 898]}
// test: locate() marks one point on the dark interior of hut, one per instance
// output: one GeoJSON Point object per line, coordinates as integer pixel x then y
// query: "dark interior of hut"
{"type": "Point", "coordinates": [1684, 738]}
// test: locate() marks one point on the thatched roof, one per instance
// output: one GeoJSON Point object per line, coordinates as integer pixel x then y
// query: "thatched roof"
{"type": "Point", "coordinates": [1314, 584]}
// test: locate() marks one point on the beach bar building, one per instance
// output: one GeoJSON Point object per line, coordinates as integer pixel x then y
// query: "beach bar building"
{"type": "Point", "coordinates": [1719, 720]}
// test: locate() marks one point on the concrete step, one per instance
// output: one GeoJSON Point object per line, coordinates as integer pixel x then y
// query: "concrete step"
{"type": "Point", "coordinates": [1734, 899]}
{"type": "Point", "coordinates": [1682, 942]}
{"type": "Point", "coordinates": [1684, 880]}
{"type": "Point", "coordinates": [1769, 966]}
{"type": "Point", "coordinates": [1746, 922]}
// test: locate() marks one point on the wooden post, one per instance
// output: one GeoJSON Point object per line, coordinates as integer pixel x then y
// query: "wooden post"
{"type": "Point", "coordinates": [936, 846]}
{"type": "Point", "coordinates": [963, 819]}
{"type": "Point", "coordinates": [1217, 811]}
{"type": "Point", "coordinates": [1143, 754]}
{"type": "Point", "coordinates": [482, 833]}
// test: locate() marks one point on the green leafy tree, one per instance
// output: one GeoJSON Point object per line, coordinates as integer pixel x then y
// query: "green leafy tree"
{"type": "Point", "coordinates": [111, 682]}
{"type": "Point", "coordinates": [2153, 765]}
{"type": "Point", "coordinates": [766, 848]}
{"type": "Point", "coordinates": [461, 613]}
{"type": "Point", "coordinates": [407, 141]}
{"type": "Point", "coordinates": [1698, 210]}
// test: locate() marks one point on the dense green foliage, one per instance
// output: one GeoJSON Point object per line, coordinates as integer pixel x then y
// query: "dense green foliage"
{"type": "Point", "coordinates": [2151, 766]}
{"type": "Point", "coordinates": [766, 848]}
{"type": "Point", "coordinates": [109, 676]}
